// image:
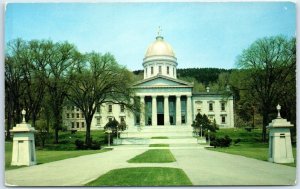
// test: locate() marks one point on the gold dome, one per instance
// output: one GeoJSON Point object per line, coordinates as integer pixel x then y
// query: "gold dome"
{"type": "Point", "coordinates": [159, 48]}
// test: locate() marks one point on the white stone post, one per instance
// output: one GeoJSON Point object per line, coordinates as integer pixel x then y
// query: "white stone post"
{"type": "Point", "coordinates": [142, 114]}
{"type": "Point", "coordinates": [23, 144]}
{"type": "Point", "coordinates": [189, 110]}
{"type": "Point", "coordinates": [154, 111]}
{"type": "Point", "coordinates": [166, 110]}
{"type": "Point", "coordinates": [280, 146]}
{"type": "Point", "coordinates": [178, 111]}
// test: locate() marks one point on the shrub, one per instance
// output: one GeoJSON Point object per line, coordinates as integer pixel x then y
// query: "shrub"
{"type": "Point", "coordinates": [249, 129]}
{"type": "Point", "coordinates": [221, 142]}
{"type": "Point", "coordinates": [236, 141]}
{"type": "Point", "coordinates": [212, 136]}
{"type": "Point", "coordinates": [95, 145]}
{"type": "Point", "coordinates": [80, 144]}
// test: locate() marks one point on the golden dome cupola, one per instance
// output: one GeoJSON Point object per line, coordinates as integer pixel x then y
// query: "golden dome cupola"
{"type": "Point", "coordinates": [160, 59]}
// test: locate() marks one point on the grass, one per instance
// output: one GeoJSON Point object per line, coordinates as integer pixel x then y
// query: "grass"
{"type": "Point", "coordinates": [159, 137]}
{"type": "Point", "coordinates": [159, 145]}
{"type": "Point", "coordinates": [67, 140]}
{"type": "Point", "coordinates": [54, 152]}
{"type": "Point", "coordinates": [250, 145]}
{"type": "Point", "coordinates": [143, 176]}
{"type": "Point", "coordinates": [46, 156]}
{"type": "Point", "coordinates": [245, 136]}
{"type": "Point", "coordinates": [154, 156]}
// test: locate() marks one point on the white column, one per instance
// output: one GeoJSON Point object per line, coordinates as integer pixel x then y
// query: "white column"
{"type": "Point", "coordinates": [142, 114]}
{"type": "Point", "coordinates": [178, 111]}
{"type": "Point", "coordinates": [154, 111]}
{"type": "Point", "coordinates": [189, 110]}
{"type": "Point", "coordinates": [166, 110]}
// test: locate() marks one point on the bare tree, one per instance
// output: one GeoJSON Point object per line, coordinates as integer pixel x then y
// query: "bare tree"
{"type": "Point", "coordinates": [270, 64]}
{"type": "Point", "coordinates": [99, 80]}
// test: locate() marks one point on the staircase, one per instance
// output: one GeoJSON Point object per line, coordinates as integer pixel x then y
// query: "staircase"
{"type": "Point", "coordinates": [158, 135]}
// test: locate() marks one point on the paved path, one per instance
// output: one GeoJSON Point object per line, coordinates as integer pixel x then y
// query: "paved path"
{"type": "Point", "coordinates": [70, 172]}
{"type": "Point", "coordinates": [203, 167]}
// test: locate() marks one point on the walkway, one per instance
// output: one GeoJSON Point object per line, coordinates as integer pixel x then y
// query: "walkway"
{"type": "Point", "coordinates": [70, 172]}
{"type": "Point", "coordinates": [203, 167]}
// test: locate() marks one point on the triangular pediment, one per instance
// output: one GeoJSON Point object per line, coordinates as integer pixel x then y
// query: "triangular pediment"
{"type": "Point", "coordinates": [162, 81]}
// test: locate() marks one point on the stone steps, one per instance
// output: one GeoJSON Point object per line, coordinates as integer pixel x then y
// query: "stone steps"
{"type": "Point", "coordinates": [187, 141]}
{"type": "Point", "coordinates": [144, 135]}
{"type": "Point", "coordinates": [148, 132]}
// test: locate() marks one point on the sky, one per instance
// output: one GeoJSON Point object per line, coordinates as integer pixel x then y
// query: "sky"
{"type": "Point", "coordinates": [201, 34]}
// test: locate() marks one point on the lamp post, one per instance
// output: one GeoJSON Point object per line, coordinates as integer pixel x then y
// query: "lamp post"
{"type": "Point", "coordinates": [208, 137]}
{"type": "Point", "coordinates": [201, 130]}
{"type": "Point", "coordinates": [109, 131]}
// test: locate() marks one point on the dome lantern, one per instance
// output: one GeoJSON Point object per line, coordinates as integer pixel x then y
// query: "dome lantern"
{"type": "Point", "coordinates": [160, 59]}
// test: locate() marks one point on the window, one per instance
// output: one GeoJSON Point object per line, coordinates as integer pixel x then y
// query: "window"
{"type": "Point", "coordinates": [151, 69]}
{"type": "Point", "coordinates": [223, 119]}
{"type": "Point", "coordinates": [159, 69]}
{"type": "Point", "coordinates": [98, 120]}
{"type": "Point", "coordinates": [82, 115]}
{"type": "Point", "coordinates": [223, 106]}
{"type": "Point", "coordinates": [122, 108]}
{"type": "Point", "coordinates": [122, 118]}
{"type": "Point", "coordinates": [110, 108]}
{"type": "Point", "coordinates": [168, 70]}
{"type": "Point", "coordinates": [72, 115]}
{"type": "Point", "coordinates": [110, 119]}
{"type": "Point", "coordinates": [82, 124]}
{"type": "Point", "coordinates": [73, 125]}
{"type": "Point", "coordinates": [211, 107]}
{"type": "Point", "coordinates": [98, 109]}
{"type": "Point", "coordinates": [77, 124]}
{"type": "Point", "coordinates": [73, 108]}
{"type": "Point", "coordinates": [77, 109]}
{"type": "Point", "coordinates": [198, 110]}
{"type": "Point", "coordinates": [77, 115]}
{"type": "Point", "coordinates": [211, 118]}
{"type": "Point", "coordinates": [68, 115]}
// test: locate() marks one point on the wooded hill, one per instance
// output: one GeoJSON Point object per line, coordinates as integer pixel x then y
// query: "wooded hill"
{"type": "Point", "coordinates": [202, 75]}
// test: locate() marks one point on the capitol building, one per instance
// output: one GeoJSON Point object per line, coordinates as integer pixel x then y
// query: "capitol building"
{"type": "Point", "coordinates": [167, 102]}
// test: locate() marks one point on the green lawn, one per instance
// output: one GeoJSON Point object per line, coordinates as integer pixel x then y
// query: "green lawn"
{"type": "Point", "coordinates": [143, 176]}
{"type": "Point", "coordinates": [159, 137]}
{"type": "Point", "coordinates": [245, 136]}
{"type": "Point", "coordinates": [154, 156]}
{"type": "Point", "coordinates": [159, 145]}
{"type": "Point", "coordinates": [250, 145]}
{"type": "Point", "coordinates": [54, 152]}
{"type": "Point", "coordinates": [67, 140]}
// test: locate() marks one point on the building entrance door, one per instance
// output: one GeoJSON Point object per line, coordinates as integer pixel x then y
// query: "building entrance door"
{"type": "Point", "coordinates": [160, 119]}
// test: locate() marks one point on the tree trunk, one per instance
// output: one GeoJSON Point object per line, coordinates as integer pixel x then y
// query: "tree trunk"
{"type": "Point", "coordinates": [8, 125]}
{"type": "Point", "coordinates": [57, 124]}
{"type": "Point", "coordinates": [265, 123]}
{"type": "Point", "coordinates": [56, 135]}
{"type": "Point", "coordinates": [88, 132]}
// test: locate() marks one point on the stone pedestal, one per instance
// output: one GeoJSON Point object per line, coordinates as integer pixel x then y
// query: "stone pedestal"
{"type": "Point", "coordinates": [280, 146]}
{"type": "Point", "coordinates": [23, 145]}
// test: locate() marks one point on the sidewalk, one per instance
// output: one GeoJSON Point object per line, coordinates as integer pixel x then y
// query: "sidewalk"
{"type": "Point", "coordinates": [202, 166]}
{"type": "Point", "coordinates": [205, 167]}
{"type": "Point", "coordinates": [71, 172]}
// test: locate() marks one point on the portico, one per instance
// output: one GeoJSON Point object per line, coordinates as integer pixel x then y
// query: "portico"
{"type": "Point", "coordinates": [165, 110]}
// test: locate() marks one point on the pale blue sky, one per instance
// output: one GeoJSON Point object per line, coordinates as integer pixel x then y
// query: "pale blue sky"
{"type": "Point", "coordinates": [202, 34]}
